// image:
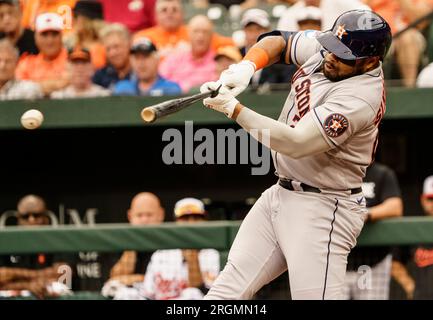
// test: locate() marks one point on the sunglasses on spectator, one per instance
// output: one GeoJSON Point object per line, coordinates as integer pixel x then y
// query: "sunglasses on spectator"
{"type": "Point", "coordinates": [35, 215]}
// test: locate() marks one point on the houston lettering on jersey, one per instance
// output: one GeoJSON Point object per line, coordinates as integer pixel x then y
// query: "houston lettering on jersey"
{"type": "Point", "coordinates": [302, 99]}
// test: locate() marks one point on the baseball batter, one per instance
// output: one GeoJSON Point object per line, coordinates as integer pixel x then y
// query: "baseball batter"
{"type": "Point", "coordinates": [321, 144]}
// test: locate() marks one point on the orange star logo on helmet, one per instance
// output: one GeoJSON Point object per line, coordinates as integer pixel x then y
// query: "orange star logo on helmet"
{"type": "Point", "coordinates": [341, 32]}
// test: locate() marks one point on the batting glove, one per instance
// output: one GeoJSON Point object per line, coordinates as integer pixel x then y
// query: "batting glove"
{"type": "Point", "coordinates": [237, 77]}
{"type": "Point", "coordinates": [224, 102]}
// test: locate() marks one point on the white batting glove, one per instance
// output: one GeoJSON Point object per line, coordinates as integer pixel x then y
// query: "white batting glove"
{"type": "Point", "coordinates": [224, 102]}
{"type": "Point", "coordinates": [237, 77]}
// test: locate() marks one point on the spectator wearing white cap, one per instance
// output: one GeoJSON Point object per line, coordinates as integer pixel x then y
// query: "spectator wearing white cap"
{"type": "Point", "coordinates": [48, 68]}
{"type": "Point", "coordinates": [427, 196]}
{"type": "Point", "coordinates": [181, 273]}
{"type": "Point", "coordinates": [254, 23]}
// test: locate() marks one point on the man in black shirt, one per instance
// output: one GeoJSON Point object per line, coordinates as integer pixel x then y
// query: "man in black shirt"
{"type": "Point", "coordinates": [32, 272]}
{"type": "Point", "coordinates": [10, 27]}
{"type": "Point", "coordinates": [369, 268]}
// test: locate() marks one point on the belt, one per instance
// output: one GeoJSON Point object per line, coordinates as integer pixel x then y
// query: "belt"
{"type": "Point", "coordinates": [289, 185]}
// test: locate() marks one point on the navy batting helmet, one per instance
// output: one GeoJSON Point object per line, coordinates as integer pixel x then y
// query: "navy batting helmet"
{"type": "Point", "coordinates": [358, 34]}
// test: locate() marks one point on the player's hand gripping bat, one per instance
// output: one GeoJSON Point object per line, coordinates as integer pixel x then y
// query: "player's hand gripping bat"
{"type": "Point", "coordinates": [150, 114]}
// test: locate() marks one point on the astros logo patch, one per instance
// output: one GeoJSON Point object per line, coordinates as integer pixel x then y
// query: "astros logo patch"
{"type": "Point", "coordinates": [335, 125]}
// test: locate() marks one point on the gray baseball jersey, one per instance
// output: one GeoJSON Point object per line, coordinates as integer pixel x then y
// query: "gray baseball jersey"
{"type": "Point", "coordinates": [346, 112]}
{"type": "Point", "coordinates": [310, 234]}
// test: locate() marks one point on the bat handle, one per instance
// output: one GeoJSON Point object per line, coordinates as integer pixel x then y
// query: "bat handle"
{"type": "Point", "coordinates": [214, 93]}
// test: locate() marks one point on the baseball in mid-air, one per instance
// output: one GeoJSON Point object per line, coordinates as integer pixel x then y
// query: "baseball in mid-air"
{"type": "Point", "coordinates": [32, 119]}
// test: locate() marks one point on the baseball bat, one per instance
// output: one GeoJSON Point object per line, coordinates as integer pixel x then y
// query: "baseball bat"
{"type": "Point", "coordinates": [150, 114]}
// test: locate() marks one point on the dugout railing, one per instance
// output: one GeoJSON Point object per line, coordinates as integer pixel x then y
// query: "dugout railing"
{"type": "Point", "coordinates": [115, 238]}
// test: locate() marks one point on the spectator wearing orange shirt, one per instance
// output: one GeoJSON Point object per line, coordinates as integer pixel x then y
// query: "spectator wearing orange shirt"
{"type": "Point", "coordinates": [88, 22]}
{"type": "Point", "coordinates": [196, 66]}
{"type": "Point", "coordinates": [410, 45]}
{"type": "Point", "coordinates": [48, 68]}
{"type": "Point", "coordinates": [171, 34]}
{"type": "Point", "coordinates": [33, 8]}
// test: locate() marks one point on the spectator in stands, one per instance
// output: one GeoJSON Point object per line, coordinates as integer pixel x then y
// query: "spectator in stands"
{"type": "Point", "coordinates": [225, 56]}
{"type": "Point", "coordinates": [330, 9]}
{"type": "Point", "coordinates": [410, 45]}
{"type": "Point", "coordinates": [170, 35]}
{"type": "Point", "coordinates": [117, 42]}
{"type": "Point", "coordinates": [182, 273]}
{"type": "Point", "coordinates": [417, 284]}
{"type": "Point", "coordinates": [135, 14]}
{"type": "Point", "coordinates": [146, 80]}
{"type": "Point", "coordinates": [254, 23]}
{"type": "Point", "coordinates": [32, 9]}
{"type": "Point", "coordinates": [193, 67]}
{"type": "Point", "coordinates": [88, 23]}
{"type": "Point", "coordinates": [82, 71]}
{"type": "Point", "coordinates": [48, 68]}
{"type": "Point", "coordinates": [11, 88]}
{"type": "Point", "coordinates": [145, 209]}
{"type": "Point", "coordinates": [36, 272]}
{"type": "Point", "coordinates": [383, 196]}
{"type": "Point", "coordinates": [10, 27]}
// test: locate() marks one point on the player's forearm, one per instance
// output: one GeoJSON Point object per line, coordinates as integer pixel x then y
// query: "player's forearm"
{"type": "Point", "coordinates": [303, 140]}
{"type": "Point", "coordinates": [390, 208]}
{"type": "Point", "coordinates": [273, 46]}
{"type": "Point", "coordinates": [401, 275]}
{"type": "Point", "coordinates": [125, 266]}
{"type": "Point", "coordinates": [8, 274]}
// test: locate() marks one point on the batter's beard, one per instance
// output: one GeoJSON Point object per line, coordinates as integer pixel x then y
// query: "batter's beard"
{"type": "Point", "coordinates": [335, 77]}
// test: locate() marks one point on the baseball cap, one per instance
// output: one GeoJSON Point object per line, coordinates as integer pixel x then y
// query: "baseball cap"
{"type": "Point", "coordinates": [229, 52]}
{"type": "Point", "coordinates": [309, 13]}
{"type": "Point", "coordinates": [427, 191]}
{"type": "Point", "coordinates": [257, 16]}
{"type": "Point", "coordinates": [189, 206]}
{"type": "Point", "coordinates": [143, 45]}
{"type": "Point", "coordinates": [49, 21]}
{"type": "Point", "coordinates": [79, 54]}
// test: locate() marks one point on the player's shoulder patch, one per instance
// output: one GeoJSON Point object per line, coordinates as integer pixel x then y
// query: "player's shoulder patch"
{"type": "Point", "coordinates": [335, 125]}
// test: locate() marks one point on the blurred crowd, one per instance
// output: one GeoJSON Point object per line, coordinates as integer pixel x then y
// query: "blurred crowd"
{"type": "Point", "coordinates": [91, 48]}
{"type": "Point", "coordinates": [189, 273]}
